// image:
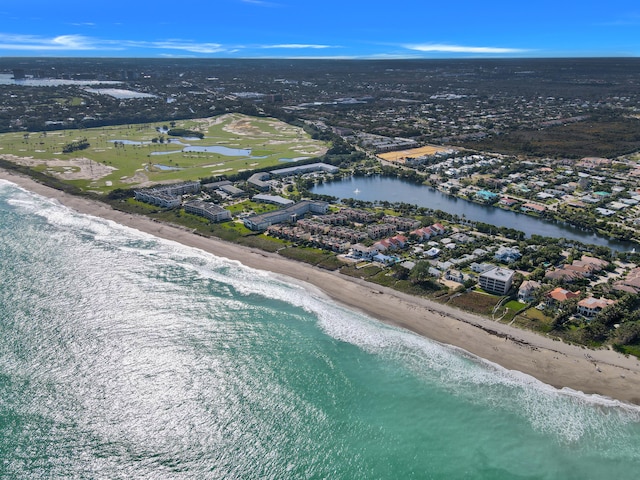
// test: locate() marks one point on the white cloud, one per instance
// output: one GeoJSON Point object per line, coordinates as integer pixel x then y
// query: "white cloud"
{"type": "Point", "coordinates": [33, 42]}
{"type": "Point", "coordinates": [295, 46]}
{"type": "Point", "coordinates": [186, 46]}
{"type": "Point", "coordinates": [438, 47]}
{"type": "Point", "coordinates": [79, 42]}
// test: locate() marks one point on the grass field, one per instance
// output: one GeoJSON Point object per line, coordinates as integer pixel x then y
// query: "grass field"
{"type": "Point", "coordinates": [475, 302]}
{"type": "Point", "coordinates": [401, 155]}
{"type": "Point", "coordinates": [140, 155]}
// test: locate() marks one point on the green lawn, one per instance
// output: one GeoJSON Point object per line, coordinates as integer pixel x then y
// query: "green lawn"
{"type": "Point", "coordinates": [125, 156]}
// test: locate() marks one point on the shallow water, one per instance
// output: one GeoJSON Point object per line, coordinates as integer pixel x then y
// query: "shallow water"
{"type": "Point", "coordinates": [126, 356]}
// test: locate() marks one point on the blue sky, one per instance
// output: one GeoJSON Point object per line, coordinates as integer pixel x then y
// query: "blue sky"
{"type": "Point", "coordinates": [320, 29]}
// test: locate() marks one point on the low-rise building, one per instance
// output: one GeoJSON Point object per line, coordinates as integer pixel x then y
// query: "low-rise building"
{"type": "Point", "coordinates": [299, 169]}
{"type": "Point", "coordinates": [273, 199]}
{"type": "Point", "coordinates": [213, 212]}
{"type": "Point", "coordinates": [287, 214]}
{"type": "Point", "coordinates": [259, 181]}
{"type": "Point", "coordinates": [167, 196]}
{"type": "Point", "coordinates": [497, 280]}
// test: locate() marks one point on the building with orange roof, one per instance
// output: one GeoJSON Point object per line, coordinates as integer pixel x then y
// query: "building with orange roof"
{"type": "Point", "coordinates": [559, 295]}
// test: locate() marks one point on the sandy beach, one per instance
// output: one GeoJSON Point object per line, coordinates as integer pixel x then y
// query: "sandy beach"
{"type": "Point", "coordinates": [602, 372]}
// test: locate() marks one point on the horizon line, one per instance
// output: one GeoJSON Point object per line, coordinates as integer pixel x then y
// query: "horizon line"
{"type": "Point", "coordinates": [329, 58]}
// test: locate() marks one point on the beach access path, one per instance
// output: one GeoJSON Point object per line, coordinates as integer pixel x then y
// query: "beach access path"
{"type": "Point", "coordinates": [602, 372]}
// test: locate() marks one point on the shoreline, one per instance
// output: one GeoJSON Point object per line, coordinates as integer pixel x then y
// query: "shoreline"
{"type": "Point", "coordinates": [601, 372]}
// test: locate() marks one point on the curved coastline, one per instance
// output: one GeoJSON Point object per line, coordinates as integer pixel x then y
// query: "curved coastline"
{"type": "Point", "coordinates": [601, 372]}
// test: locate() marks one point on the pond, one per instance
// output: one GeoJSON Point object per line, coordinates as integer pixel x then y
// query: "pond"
{"type": "Point", "coordinates": [226, 151]}
{"type": "Point", "coordinates": [391, 189]}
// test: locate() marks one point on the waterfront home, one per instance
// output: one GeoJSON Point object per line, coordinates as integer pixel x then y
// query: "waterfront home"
{"type": "Point", "coordinates": [384, 259]}
{"type": "Point", "coordinates": [591, 306]}
{"type": "Point", "coordinates": [508, 202]}
{"type": "Point", "coordinates": [454, 276]}
{"type": "Point", "coordinates": [532, 207]}
{"type": "Point", "coordinates": [526, 291]}
{"type": "Point", "coordinates": [486, 196]}
{"type": "Point", "coordinates": [605, 212]}
{"type": "Point", "coordinates": [360, 251]}
{"type": "Point", "coordinates": [559, 295]}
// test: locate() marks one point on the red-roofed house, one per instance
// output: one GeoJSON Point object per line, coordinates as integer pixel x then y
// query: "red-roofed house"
{"type": "Point", "coordinates": [559, 295]}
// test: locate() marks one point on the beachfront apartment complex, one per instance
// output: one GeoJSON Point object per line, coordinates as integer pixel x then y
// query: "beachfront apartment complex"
{"type": "Point", "coordinates": [287, 214]}
{"type": "Point", "coordinates": [167, 196]}
{"type": "Point", "coordinates": [208, 210]}
{"type": "Point", "coordinates": [497, 280]}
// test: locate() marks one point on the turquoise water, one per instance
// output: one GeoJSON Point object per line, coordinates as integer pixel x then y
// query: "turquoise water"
{"type": "Point", "coordinates": [126, 356]}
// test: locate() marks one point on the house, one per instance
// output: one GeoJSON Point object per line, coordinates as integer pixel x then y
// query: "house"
{"type": "Point", "coordinates": [486, 196]}
{"type": "Point", "coordinates": [563, 275]}
{"type": "Point", "coordinates": [526, 291]}
{"type": "Point", "coordinates": [532, 207]}
{"type": "Point", "coordinates": [481, 267]}
{"type": "Point", "coordinates": [631, 283]}
{"type": "Point", "coordinates": [360, 251]}
{"type": "Point", "coordinates": [559, 295]}
{"type": "Point", "coordinates": [432, 253]}
{"type": "Point", "coordinates": [497, 280]}
{"type": "Point", "coordinates": [508, 202]}
{"type": "Point", "coordinates": [384, 259]}
{"type": "Point", "coordinates": [438, 228]}
{"type": "Point", "coordinates": [507, 254]}
{"type": "Point", "coordinates": [454, 276]}
{"type": "Point", "coordinates": [591, 306]}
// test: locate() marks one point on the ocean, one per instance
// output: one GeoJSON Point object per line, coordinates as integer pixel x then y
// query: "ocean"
{"type": "Point", "coordinates": [126, 356]}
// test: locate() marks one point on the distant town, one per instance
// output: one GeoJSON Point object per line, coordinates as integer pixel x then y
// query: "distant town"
{"type": "Point", "coordinates": [554, 140]}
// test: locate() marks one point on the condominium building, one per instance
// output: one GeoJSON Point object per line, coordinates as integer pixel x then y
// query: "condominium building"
{"type": "Point", "coordinates": [208, 210]}
{"type": "Point", "coordinates": [497, 280]}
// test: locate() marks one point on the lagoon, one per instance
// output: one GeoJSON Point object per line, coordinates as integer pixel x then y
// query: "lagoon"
{"type": "Point", "coordinates": [391, 189]}
{"type": "Point", "coordinates": [226, 151]}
